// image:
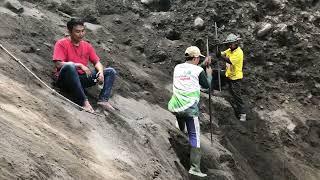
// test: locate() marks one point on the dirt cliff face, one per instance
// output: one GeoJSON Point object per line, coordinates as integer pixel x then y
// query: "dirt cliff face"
{"type": "Point", "coordinates": [46, 138]}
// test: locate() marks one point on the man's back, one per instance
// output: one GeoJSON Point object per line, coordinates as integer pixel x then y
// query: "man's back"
{"type": "Point", "coordinates": [186, 87]}
{"type": "Point", "coordinates": [186, 77]}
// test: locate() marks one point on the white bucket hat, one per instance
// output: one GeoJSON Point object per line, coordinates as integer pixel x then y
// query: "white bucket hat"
{"type": "Point", "coordinates": [193, 51]}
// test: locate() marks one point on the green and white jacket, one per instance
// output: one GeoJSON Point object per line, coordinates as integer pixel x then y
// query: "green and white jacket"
{"type": "Point", "coordinates": [187, 81]}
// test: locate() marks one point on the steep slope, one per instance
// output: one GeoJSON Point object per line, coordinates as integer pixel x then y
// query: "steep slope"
{"type": "Point", "coordinates": [44, 137]}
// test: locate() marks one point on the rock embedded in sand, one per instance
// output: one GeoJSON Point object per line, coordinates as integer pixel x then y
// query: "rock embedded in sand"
{"type": "Point", "coordinates": [173, 34]}
{"type": "Point", "coordinates": [110, 7]}
{"type": "Point", "coordinates": [147, 2]}
{"type": "Point", "coordinates": [66, 8]}
{"type": "Point", "coordinates": [158, 5]}
{"type": "Point", "coordinates": [276, 4]}
{"type": "Point", "coordinates": [92, 27]}
{"type": "Point", "coordinates": [30, 49]}
{"type": "Point", "coordinates": [280, 29]}
{"type": "Point", "coordinates": [264, 29]}
{"type": "Point", "coordinates": [14, 5]}
{"type": "Point", "coordinates": [160, 56]}
{"type": "Point", "coordinates": [117, 20]}
{"type": "Point", "coordinates": [199, 23]}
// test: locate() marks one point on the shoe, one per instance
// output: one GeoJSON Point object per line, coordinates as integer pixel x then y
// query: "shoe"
{"type": "Point", "coordinates": [106, 106]}
{"type": "Point", "coordinates": [195, 158]}
{"type": "Point", "coordinates": [195, 172]}
{"type": "Point", "coordinates": [243, 117]}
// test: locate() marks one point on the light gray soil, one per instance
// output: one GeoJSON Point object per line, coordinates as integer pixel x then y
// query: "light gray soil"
{"type": "Point", "coordinates": [45, 137]}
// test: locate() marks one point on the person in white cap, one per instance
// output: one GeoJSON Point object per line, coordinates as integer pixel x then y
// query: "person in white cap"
{"type": "Point", "coordinates": [233, 57]}
{"type": "Point", "coordinates": [188, 78]}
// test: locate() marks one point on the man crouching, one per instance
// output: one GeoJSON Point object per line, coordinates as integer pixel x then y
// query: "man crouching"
{"type": "Point", "coordinates": [71, 56]}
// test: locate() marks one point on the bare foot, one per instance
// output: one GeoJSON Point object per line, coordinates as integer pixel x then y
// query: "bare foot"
{"type": "Point", "coordinates": [106, 106]}
{"type": "Point", "coordinates": [87, 106]}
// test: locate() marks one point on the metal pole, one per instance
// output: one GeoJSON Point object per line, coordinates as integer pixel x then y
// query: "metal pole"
{"type": "Point", "coordinates": [216, 36]}
{"type": "Point", "coordinates": [211, 132]}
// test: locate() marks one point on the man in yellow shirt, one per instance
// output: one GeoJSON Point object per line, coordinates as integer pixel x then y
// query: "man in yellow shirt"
{"type": "Point", "coordinates": [233, 57]}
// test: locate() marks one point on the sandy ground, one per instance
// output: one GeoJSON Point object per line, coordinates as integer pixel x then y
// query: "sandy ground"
{"type": "Point", "coordinates": [44, 137]}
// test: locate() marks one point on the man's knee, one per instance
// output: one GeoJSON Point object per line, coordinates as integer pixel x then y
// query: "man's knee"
{"type": "Point", "coordinates": [110, 71]}
{"type": "Point", "coordinates": [69, 67]}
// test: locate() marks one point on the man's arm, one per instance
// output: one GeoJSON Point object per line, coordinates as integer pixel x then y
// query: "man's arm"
{"type": "Point", "coordinates": [59, 64]}
{"type": "Point", "coordinates": [226, 59]}
{"type": "Point", "coordinates": [223, 56]}
{"type": "Point", "coordinates": [206, 62]}
{"type": "Point", "coordinates": [205, 78]}
{"type": "Point", "coordinates": [99, 68]}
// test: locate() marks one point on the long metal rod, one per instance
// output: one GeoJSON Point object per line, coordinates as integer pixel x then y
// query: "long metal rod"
{"type": "Point", "coordinates": [216, 36]}
{"type": "Point", "coordinates": [211, 131]}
